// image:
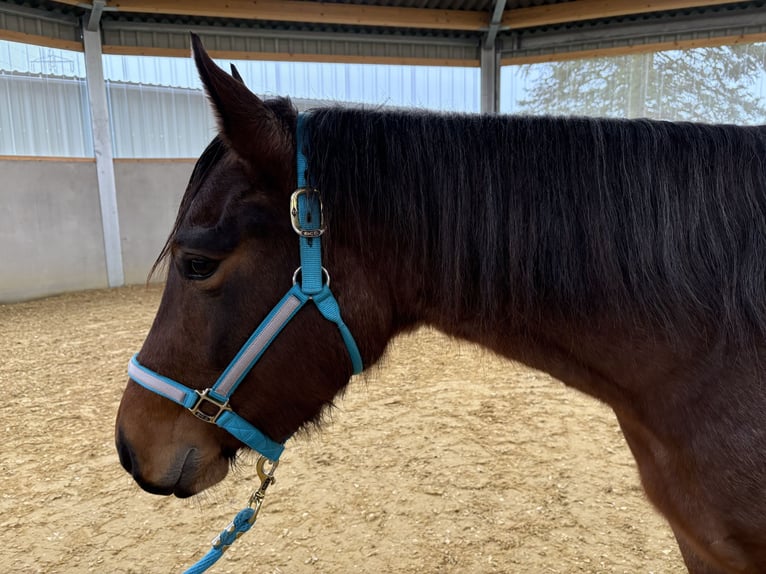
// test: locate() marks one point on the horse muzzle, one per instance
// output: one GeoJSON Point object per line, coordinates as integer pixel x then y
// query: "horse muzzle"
{"type": "Point", "coordinates": [180, 478]}
{"type": "Point", "coordinates": [176, 455]}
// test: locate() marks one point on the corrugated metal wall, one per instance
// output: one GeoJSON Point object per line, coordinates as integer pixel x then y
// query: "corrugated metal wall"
{"type": "Point", "coordinates": [44, 116]}
{"type": "Point", "coordinates": [157, 121]}
{"type": "Point", "coordinates": [157, 106]}
{"type": "Point", "coordinates": [158, 110]}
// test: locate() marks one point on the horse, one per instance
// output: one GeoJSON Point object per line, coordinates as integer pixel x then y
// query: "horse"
{"type": "Point", "coordinates": [623, 257]}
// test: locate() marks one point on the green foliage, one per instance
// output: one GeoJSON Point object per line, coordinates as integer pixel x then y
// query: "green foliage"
{"type": "Point", "coordinates": [716, 85]}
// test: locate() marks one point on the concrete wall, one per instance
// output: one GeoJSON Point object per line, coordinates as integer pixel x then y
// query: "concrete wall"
{"type": "Point", "coordinates": [50, 228]}
{"type": "Point", "coordinates": [51, 240]}
{"type": "Point", "coordinates": [148, 195]}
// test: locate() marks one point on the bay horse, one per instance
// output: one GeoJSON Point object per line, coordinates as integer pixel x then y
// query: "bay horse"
{"type": "Point", "coordinates": [627, 258]}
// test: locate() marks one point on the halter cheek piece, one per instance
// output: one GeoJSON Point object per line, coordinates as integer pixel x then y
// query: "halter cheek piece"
{"type": "Point", "coordinates": [307, 220]}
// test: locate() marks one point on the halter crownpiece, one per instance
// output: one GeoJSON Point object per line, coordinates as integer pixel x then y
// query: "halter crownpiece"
{"type": "Point", "coordinates": [212, 404]}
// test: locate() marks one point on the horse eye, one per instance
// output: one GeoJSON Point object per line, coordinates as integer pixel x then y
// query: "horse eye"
{"type": "Point", "coordinates": [200, 268]}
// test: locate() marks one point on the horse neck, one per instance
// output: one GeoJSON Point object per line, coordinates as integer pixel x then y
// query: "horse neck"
{"type": "Point", "coordinates": [426, 207]}
{"type": "Point", "coordinates": [436, 206]}
{"type": "Point", "coordinates": [486, 243]}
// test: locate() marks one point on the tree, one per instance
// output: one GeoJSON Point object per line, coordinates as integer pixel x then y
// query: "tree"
{"type": "Point", "coordinates": [718, 85]}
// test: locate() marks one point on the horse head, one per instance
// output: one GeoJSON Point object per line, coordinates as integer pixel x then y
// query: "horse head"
{"type": "Point", "coordinates": [231, 257]}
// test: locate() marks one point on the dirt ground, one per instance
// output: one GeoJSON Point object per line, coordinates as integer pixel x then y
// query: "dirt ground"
{"type": "Point", "coordinates": [444, 459]}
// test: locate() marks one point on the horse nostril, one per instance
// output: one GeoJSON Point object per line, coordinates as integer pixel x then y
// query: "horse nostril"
{"type": "Point", "coordinates": [125, 453]}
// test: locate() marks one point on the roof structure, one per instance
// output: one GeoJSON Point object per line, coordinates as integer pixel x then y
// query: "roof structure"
{"type": "Point", "coordinates": [431, 32]}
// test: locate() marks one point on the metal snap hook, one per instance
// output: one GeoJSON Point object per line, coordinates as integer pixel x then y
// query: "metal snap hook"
{"type": "Point", "coordinates": [264, 473]}
{"type": "Point", "coordinates": [266, 476]}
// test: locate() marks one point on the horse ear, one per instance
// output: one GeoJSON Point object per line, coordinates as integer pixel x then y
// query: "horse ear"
{"type": "Point", "coordinates": [235, 74]}
{"type": "Point", "coordinates": [245, 122]}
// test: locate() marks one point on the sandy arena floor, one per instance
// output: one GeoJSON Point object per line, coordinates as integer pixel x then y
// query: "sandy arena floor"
{"type": "Point", "coordinates": [445, 459]}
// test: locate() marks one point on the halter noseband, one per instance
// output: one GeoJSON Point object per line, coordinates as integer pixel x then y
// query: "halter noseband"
{"type": "Point", "coordinates": [307, 220]}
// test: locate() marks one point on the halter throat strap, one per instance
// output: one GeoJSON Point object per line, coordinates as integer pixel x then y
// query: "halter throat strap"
{"type": "Point", "coordinates": [212, 404]}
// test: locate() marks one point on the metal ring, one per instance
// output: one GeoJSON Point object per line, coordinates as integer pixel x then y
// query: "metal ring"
{"type": "Point", "coordinates": [324, 272]}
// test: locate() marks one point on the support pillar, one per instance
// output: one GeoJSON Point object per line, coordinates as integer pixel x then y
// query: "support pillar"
{"type": "Point", "coordinates": [490, 61]}
{"type": "Point", "coordinates": [490, 79]}
{"type": "Point", "coordinates": [102, 147]}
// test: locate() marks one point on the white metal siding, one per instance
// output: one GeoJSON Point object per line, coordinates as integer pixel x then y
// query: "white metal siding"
{"type": "Point", "coordinates": [157, 107]}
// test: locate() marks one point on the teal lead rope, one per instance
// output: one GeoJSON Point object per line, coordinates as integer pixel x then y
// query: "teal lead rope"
{"type": "Point", "coordinates": [226, 538]}
{"type": "Point", "coordinates": [243, 521]}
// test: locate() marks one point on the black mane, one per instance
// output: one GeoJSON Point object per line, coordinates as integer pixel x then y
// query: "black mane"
{"type": "Point", "coordinates": [522, 217]}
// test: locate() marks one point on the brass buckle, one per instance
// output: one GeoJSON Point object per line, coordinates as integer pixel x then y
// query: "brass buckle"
{"type": "Point", "coordinates": [204, 397]}
{"type": "Point", "coordinates": [294, 216]}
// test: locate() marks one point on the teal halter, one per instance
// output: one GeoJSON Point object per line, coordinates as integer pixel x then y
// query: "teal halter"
{"type": "Point", "coordinates": [307, 220]}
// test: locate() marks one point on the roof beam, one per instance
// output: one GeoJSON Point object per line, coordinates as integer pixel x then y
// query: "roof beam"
{"type": "Point", "coordinates": [638, 32]}
{"type": "Point", "coordinates": [580, 10]}
{"type": "Point", "coordinates": [495, 21]}
{"type": "Point", "coordinates": [394, 16]}
{"type": "Point", "coordinates": [95, 15]}
{"type": "Point", "coordinates": [513, 60]}
{"type": "Point", "coordinates": [302, 11]}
